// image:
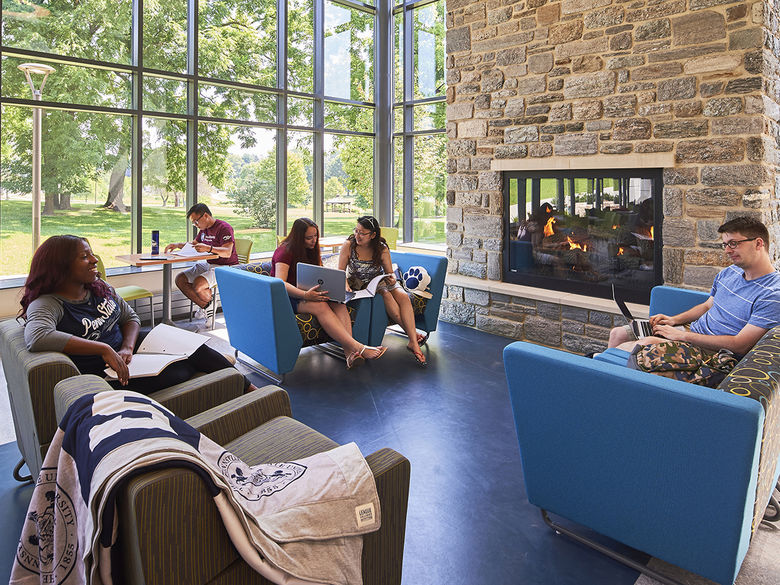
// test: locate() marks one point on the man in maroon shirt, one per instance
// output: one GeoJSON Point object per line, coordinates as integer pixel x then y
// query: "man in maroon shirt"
{"type": "Point", "coordinates": [214, 236]}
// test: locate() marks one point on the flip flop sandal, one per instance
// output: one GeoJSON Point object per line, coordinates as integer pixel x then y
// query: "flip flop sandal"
{"type": "Point", "coordinates": [421, 362]}
{"type": "Point", "coordinates": [354, 359]}
{"type": "Point", "coordinates": [381, 349]}
{"type": "Point", "coordinates": [423, 339]}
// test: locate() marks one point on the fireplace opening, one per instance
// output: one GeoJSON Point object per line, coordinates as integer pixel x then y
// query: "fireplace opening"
{"type": "Point", "coordinates": [582, 231]}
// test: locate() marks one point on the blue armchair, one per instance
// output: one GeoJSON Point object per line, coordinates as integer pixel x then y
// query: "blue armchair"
{"type": "Point", "coordinates": [426, 311]}
{"type": "Point", "coordinates": [261, 323]}
{"type": "Point", "coordinates": [678, 471]}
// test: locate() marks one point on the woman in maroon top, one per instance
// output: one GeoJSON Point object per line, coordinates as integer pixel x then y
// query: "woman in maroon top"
{"type": "Point", "coordinates": [302, 245]}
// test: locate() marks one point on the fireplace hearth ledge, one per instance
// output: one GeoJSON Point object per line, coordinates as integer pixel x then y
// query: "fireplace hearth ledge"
{"type": "Point", "coordinates": [545, 295]}
{"type": "Point", "coordinates": [655, 160]}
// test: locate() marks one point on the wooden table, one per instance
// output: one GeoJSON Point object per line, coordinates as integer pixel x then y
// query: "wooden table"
{"type": "Point", "coordinates": [332, 243]}
{"type": "Point", "coordinates": [167, 261]}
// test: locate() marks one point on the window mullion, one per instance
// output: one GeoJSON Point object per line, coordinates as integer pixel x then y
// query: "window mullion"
{"type": "Point", "coordinates": [192, 110]}
{"type": "Point", "coordinates": [136, 146]}
{"type": "Point", "coordinates": [319, 111]}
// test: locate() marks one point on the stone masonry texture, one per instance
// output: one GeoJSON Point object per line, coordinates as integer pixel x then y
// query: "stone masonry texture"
{"type": "Point", "coordinates": [700, 79]}
{"type": "Point", "coordinates": [579, 78]}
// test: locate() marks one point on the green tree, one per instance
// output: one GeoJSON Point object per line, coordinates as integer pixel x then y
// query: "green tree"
{"type": "Point", "coordinates": [333, 188]}
{"type": "Point", "coordinates": [253, 188]}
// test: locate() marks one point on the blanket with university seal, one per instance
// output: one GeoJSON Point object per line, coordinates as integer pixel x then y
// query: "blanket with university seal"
{"type": "Point", "coordinates": [298, 522]}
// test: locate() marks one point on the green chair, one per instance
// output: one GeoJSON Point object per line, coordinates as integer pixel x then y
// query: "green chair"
{"type": "Point", "coordinates": [390, 234]}
{"type": "Point", "coordinates": [243, 248]}
{"type": "Point", "coordinates": [130, 292]}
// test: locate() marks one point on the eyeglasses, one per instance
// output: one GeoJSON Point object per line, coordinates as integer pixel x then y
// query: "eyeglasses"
{"type": "Point", "coordinates": [196, 220]}
{"type": "Point", "coordinates": [357, 232]}
{"type": "Point", "coordinates": [734, 243]}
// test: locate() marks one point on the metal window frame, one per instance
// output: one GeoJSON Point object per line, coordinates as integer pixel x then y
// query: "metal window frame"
{"type": "Point", "coordinates": [136, 69]}
{"type": "Point", "coordinates": [407, 106]}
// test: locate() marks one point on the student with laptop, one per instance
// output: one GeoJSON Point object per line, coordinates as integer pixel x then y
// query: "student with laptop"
{"type": "Point", "coordinates": [365, 256]}
{"type": "Point", "coordinates": [302, 245]}
{"type": "Point", "coordinates": [743, 305]}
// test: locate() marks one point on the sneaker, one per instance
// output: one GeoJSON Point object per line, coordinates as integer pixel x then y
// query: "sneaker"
{"type": "Point", "coordinates": [201, 314]}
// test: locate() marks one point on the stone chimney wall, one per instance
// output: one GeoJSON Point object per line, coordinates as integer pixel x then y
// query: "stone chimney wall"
{"type": "Point", "coordinates": [593, 79]}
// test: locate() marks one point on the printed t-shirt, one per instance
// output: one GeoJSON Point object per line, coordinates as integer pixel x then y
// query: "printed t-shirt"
{"type": "Point", "coordinates": [219, 234]}
{"type": "Point", "coordinates": [96, 320]}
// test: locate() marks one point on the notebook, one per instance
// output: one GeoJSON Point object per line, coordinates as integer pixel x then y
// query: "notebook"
{"type": "Point", "coordinates": [640, 327]}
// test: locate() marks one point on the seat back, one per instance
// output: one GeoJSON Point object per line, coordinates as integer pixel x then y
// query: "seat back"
{"type": "Point", "coordinates": [243, 249]}
{"type": "Point", "coordinates": [259, 318]}
{"type": "Point", "coordinates": [31, 378]}
{"type": "Point", "coordinates": [100, 267]}
{"type": "Point", "coordinates": [670, 300]}
{"type": "Point", "coordinates": [390, 234]}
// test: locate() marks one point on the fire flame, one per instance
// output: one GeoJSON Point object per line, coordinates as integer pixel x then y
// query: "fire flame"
{"type": "Point", "coordinates": [574, 245]}
{"type": "Point", "coordinates": [621, 251]}
{"type": "Point", "coordinates": [548, 227]}
{"type": "Point", "coordinates": [651, 233]}
{"type": "Point", "coordinates": [614, 227]}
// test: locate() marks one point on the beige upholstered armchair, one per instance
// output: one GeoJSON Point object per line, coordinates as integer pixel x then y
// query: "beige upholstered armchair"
{"type": "Point", "coordinates": [170, 529]}
{"type": "Point", "coordinates": [31, 377]}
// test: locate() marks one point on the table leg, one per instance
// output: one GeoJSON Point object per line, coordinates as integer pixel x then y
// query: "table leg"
{"type": "Point", "coordinates": [166, 300]}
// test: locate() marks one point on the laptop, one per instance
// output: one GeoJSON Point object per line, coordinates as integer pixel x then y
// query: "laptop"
{"type": "Point", "coordinates": [329, 279]}
{"type": "Point", "coordinates": [640, 327]}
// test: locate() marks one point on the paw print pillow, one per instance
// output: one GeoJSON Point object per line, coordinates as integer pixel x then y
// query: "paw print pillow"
{"type": "Point", "coordinates": [416, 280]}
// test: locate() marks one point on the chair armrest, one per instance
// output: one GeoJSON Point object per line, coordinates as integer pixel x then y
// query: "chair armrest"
{"type": "Point", "coordinates": [383, 550]}
{"type": "Point", "coordinates": [259, 318]}
{"type": "Point", "coordinates": [230, 420]}
{"type": "Point", "coordinates": [68, 391]}
{"type": "Point", "coordinates": [201, 392]}
{"type": "Point", "coordinates": [184, 400]}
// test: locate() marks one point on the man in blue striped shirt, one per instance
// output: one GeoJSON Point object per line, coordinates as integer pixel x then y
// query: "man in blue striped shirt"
{"type": "Point", "coordinates": [743, 305]}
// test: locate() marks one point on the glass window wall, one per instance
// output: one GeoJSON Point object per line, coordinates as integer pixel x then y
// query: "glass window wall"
{"type": "Point", "coordinates": [140, 119]}
{"type": "Point", "coordinates": [419, 208]}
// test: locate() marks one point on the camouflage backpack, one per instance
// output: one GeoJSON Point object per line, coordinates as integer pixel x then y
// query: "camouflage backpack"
{"type": "Point", "coordinates": [682, 361]}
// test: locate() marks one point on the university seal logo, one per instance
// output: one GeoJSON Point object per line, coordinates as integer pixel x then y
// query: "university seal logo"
{"type": "Point", "coordinates": [53, 520]}
{"type": "Point", "coordinates": [261, 480]}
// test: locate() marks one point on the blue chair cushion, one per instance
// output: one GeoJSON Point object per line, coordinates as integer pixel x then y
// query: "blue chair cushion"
{"type": "Point", "coordinates": [613, 355]}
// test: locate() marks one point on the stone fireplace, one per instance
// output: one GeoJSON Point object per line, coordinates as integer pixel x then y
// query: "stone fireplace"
{"type": "Point", "coordinates": [584, 231]}
{"type": "Point", "coordinates": [689, 87]}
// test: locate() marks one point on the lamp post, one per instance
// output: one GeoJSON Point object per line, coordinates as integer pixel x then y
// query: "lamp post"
{"type": "Point", "coordinates": [29, 69]}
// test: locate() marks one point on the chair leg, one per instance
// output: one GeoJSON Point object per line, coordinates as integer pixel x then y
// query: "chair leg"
{"type": "Point", "coordinates": [772, 512]}
{"type": "Point", "coordinates": [214, 301]}
{"type": "Point", "coordinates": [277, 379]}
{"type": "Point", "coordinates": [613, 554]}
{"type": "Point", "coordinates": [18, 476]}
{"type": "Point", "coordinates": [151, 310]}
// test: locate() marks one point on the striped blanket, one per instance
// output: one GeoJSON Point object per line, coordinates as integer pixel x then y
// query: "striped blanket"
{"type": "Point", "coordinates": [298, 522]}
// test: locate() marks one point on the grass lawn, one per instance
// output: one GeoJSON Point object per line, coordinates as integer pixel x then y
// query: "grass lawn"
{"type": "Point", "coordinates": [109, 231]}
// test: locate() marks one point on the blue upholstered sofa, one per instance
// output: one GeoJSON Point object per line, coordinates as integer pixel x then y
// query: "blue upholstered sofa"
{"type": "Point", "coordinates": [261, 323]}
{"type": "Point", "coordinates": [678, 471]}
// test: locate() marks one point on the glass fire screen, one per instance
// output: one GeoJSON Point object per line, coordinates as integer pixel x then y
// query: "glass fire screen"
{"type": "Point", "coordinates": [581, 232]}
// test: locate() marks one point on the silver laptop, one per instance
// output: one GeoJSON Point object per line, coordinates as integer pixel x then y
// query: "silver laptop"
{"type": "Point", "coordinates": [329, 279]}
{"type": "Point", "coordinates": [640, 327]}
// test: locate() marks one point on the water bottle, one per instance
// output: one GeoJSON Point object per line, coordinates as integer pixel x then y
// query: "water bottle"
{"type": "Point", "coordinates": [155, 242]}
